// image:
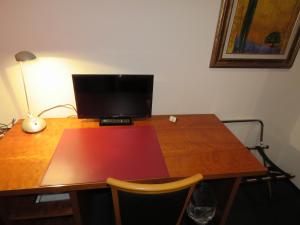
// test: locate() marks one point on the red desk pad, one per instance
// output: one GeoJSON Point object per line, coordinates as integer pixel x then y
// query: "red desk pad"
{"type": "Point", "coordinates": [88, 155]}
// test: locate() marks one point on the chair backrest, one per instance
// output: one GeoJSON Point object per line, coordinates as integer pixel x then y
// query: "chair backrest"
{"type": "Point", "coordinates": [151, 204]}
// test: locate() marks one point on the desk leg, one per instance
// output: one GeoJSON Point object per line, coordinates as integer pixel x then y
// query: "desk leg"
{"type": "Point", "coordinates": [225, 191]}
{"type": "Point", "coordinates": [230, 200]}
{"type": "Point", "coordinates": [75, 208]}
{"type": "Point", "coordinates": [4, 211]}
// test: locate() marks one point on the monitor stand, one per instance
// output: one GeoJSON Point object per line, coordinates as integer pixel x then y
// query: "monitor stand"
{"type": "Point", "coordinates": [116, 121]}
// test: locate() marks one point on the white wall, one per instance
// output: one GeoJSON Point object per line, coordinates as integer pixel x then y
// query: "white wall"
{"type": "Point", "coordinates": [169, 38]}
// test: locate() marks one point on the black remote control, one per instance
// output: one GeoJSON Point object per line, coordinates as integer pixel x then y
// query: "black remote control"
{"type": "Point", "coordinates": [118, 121]}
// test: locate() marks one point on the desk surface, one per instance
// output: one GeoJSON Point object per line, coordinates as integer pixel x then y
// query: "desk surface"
{"type": "Point", "coordinates": [194, 144]}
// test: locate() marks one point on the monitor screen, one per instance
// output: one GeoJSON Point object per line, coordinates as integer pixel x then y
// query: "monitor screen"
{"type": "Point", "coordinates": [101, 96]}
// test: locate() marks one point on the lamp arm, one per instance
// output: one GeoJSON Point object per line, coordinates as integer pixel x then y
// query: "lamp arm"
{"type": "Point", "coordinates": [24, 85]}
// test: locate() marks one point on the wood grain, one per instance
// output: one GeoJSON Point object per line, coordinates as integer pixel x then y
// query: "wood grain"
{"type": "Point", "coordinates": [194, 144]}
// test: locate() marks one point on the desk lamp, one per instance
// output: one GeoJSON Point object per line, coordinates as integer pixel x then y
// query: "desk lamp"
{"type": "Point", "coordinates": [31, 124]}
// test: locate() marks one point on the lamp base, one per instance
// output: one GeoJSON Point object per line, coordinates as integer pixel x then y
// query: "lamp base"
{"type": "Point", "coordinates": [33, 124]}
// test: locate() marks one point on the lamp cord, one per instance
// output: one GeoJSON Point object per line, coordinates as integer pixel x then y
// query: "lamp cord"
{"type": "Point", "coordinates": [68, 106]}
{"type": "Point", "coordinates": [6, 127]}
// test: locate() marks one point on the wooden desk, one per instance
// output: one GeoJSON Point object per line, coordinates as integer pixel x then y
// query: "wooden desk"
{"type": "Point", "coordinates": [195, 143]}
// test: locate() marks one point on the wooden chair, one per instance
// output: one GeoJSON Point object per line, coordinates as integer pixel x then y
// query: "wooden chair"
{"type": "Point", "coordinates": [151, 204]}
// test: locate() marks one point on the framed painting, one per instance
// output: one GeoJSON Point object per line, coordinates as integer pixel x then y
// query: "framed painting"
{"type": "Point", "coordinates": [257, 34]}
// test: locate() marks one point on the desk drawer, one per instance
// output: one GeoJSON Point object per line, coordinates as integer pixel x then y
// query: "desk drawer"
{"type": "Point", "coordinates": [19, 210]}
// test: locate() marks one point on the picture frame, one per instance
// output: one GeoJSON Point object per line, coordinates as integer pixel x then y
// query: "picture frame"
{"type": "Point", "coordinates": [256, 34]}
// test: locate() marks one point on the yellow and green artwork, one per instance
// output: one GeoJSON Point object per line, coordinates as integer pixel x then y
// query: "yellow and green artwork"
{"type": "Point", "coordinates": [262, 26]}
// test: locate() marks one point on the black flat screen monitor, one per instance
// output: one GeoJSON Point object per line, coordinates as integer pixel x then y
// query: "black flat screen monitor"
{"type": "Point", "coordinates": [102, 96]}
